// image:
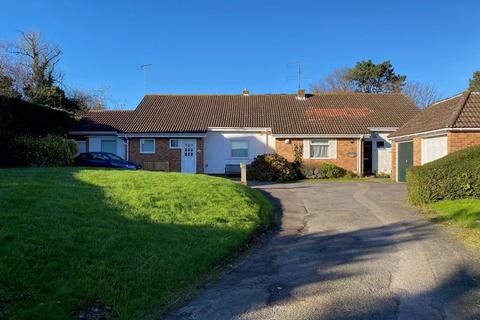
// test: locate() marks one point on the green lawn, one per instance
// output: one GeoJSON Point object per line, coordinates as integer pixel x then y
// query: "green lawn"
{"type": "Point", "coordinates": [464, 213]}
{"type": "Point", "coordinates": [134, 241]}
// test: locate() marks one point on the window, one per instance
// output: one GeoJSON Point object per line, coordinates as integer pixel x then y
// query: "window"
{"type": "Point", "coordinates": [239, 149]}
{"type": "Point", "coordinates": [380, 144]}
{"type": "Point", "coordinates": [319, 148]}
{"type": "Point", "coordinates": [174, 144]}
{"type": "Point", "coordinates": [108, 146]}
{"type": "Point", "coordinates": [147, 145]}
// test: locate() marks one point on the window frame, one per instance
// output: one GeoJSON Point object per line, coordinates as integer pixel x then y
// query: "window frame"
{"type": "Point", "coordinates": [325, 142]}
{"type": "Point", "coordinates": [141, 146]}
{"type": "Point", "coordinates": [172, 147]}
{"type": "Point", "coordinates": [231, 149]}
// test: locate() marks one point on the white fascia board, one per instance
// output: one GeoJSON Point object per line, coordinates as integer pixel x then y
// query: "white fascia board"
{"type": "Point", "coordinates": [432, 133]}
{"type": "Point", "coordinates": [162, 135]}
{"type": "Point", "coordinates": [239, 129]}
{"type": "Point", "coordinates": [93, 133]}
{"type": "Point", "coordinates": [319, 135]}
{"type": "Point", "coordinates": [383, 129]}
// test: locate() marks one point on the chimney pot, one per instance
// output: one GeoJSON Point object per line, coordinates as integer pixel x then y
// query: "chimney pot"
{"type": "Point", "coordinates": [301, 94]}
{"type": "Point", "coordinates": [246, 92]}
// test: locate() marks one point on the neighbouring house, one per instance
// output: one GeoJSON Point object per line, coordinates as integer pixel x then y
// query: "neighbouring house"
{"type": "Point", "coordinates": [442, 128]}
{"type": "Point", "coordinates": [213, 134]}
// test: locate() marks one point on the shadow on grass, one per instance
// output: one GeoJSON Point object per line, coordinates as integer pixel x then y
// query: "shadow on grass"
{"type": "Point", "coordinates": [66, 245]}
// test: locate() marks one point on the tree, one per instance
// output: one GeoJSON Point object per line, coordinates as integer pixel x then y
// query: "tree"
{"type": "Point", "coordinates": [7, 86]}
{"type": "Point", "coordinates": [96, 100]}
{"type": "Point", "coordinates": [335, 81]}
{"type": "Point", "coordinates": [39, 59]}
{"type": "Point", "coordinates": [474, 84]}
{"type": "Point", "coordinates": [369, 77]}
{"type": "Point", "coordinates": [421, 93]}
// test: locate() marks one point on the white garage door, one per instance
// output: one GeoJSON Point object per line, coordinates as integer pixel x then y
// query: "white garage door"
{"type": "Point", "coordinates": [433, 148]}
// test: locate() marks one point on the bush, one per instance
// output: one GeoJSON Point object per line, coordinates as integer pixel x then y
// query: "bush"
{"type": "Point", "coordinates": [324, 171]}
{"type": "Point", "coordinates": [18, 117]}
{"type": "Point", "coordinates": [270, 167]}
{"type": "Point", "coordinates": [455, 176]}
{"type": "Point", "coordinates": [46, 151]}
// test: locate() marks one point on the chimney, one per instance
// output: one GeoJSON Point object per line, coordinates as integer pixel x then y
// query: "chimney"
{"type": "Point", "coordinates": [246, 92]}
{"type": "Point", "coordinates": [301, 94]}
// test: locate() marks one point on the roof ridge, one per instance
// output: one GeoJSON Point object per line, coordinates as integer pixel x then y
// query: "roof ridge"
{"type": "Point", "coordinates": [458, 110]}
{"type": "Point", "coordinates": [445, 99]}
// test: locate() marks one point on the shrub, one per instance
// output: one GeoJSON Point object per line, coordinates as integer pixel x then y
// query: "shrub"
{"type": "Point", "coordinates": [270, 167]}
{"type": "Point", "coordinates": [47, 151]}
{"type": "Point", "coordinates": [455, 176]}
{"type": "Point", "coordinates": [323, 171]}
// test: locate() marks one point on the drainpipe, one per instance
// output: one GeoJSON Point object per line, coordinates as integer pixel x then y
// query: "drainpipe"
{"type": "Point", "coordinates": [126, 147]}
{"type": "Point", "coordinates": [266, 140]}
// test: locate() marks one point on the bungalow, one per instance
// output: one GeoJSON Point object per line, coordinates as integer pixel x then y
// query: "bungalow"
{"type": "Point", "coordinates": [213, 133]}
{"type": "Point", "coordinates": [442, 128]}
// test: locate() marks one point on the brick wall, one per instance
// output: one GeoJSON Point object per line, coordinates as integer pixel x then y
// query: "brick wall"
{"type": "Point", "coordinates": [394, 161]}
{"type": "Point", "coordinates": [417, 151]}
{"type": "Point", "coordinates": [461, 140]}
{"type": "Point", "coordinates": [344, 146]}
{"type": "Point", "coordinates": [163, 153]}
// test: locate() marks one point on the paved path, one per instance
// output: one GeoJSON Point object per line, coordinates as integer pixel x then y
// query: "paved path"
{"type": "Point", "coordinates": [346, 251]}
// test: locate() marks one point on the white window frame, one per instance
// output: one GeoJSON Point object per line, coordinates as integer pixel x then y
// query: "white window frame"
{"type": "Point", "coordinates": [141, 146]}
{"type": "Point", "coordinates": [231, 148]}
{"type": "Point", "coordinates": [177, 147]}
{"type": "Point", "coordinates": [332, 149]}
{"type": "Point", "coordinates": [325, 142]}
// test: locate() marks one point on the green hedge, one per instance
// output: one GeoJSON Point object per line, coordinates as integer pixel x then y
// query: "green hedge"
{"type": "Point", "coordinates": [270, 167]}
{"type": "Point", "coordinates": [46, 151]}
{"type": "Point", "coordinates": [455, 176]}
{"type": "Point", "coordinates": [323, 171]}
{"type": "Point", "coordinates": [18, 117]}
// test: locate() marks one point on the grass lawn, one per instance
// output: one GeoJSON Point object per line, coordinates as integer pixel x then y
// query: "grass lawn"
{"type": "Point", "coordinates": [464, 214]}
{"type": "Point", "coordinates": [134, 241]}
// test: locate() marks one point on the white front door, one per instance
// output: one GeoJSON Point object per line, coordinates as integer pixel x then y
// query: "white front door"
{"type": "Point", "coordinates": [189, 156]}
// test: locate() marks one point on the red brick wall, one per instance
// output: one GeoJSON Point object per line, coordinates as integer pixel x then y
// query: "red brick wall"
{"type": "Point", "coordinates": [163, 153]}
{"type": "Point", "coordinates": [394, 161]}
{"type": "Point", "coordinates": [417, 151]}
{"type": "Point", "coordinates": [344, 146]}
{"type": "Point", "coordinates": [461, 140]}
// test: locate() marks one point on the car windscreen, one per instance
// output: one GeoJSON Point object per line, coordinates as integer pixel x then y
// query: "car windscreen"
{"type": "Point", "coordinates": [113, 157]}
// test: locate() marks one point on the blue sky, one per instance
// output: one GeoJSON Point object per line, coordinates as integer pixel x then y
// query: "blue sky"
{"type": "Point", "coordinates": [224, 46]}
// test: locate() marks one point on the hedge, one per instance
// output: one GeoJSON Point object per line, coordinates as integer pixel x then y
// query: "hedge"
{"type": "Point", "coordinates": [18, 117]}
{"type": "Point", "coordinates": [455, 176]}
{"type": "Point", "coordinates": [323, 171]}
{"type": "Point", "coordinates": [46, 151]}
{"type": "Point", "coordinates": [270, 167]}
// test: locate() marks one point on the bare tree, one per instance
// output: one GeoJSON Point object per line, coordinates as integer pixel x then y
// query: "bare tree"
{"type": "Point", "coordinates": [39, 59]}
{"type": "Point", "coordinates": [335, 81]}
{"type": "Point", "coordinates": [421, 93]}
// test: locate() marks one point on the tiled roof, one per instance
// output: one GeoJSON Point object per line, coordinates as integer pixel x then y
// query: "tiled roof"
{"type": "Point", "coordinates": [104, 120]}
{"type": "Point", "coordinates": [344, 113]}
{"type": "Point", "coordinates": [330, 113]}
{"type": "Point", "coordinates": [460, 111]}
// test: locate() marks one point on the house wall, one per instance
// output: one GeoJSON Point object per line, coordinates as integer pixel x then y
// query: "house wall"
{"type": "Point", "coordinates": [393, 176]}
{"type": "Point", "coordinates": [417, 151]}
{"type": "Point", "coordinates": [461, 140]}
{"type": "Point", "coordinates": [381, 157]}
{"type": "Point", "coordinates": [94, 144]}
{"type": "Point", "coordinates": [218, 148]}
{"type": "Point", "coordinates": [163, 153]}
{"type": "Point", "coordinates": [344, 146]}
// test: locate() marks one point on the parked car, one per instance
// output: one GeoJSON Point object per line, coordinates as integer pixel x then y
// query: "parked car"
{"type": "Point", "coordinates": [103, 159]}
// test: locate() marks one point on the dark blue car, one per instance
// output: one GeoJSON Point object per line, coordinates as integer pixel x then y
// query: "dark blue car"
{"type": "Point", "coordinates": [103, 159]}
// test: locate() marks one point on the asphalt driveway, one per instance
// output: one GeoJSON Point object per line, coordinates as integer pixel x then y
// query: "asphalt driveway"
{"type": "Point", "coordinates": [346, 251]}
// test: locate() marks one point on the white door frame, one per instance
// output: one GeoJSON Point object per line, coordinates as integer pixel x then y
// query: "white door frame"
{"type": "Point", "coordinates": [191, 153]}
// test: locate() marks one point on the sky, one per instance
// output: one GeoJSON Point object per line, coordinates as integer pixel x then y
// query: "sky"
{"type": "Point", "coordinates": [200, 47]}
